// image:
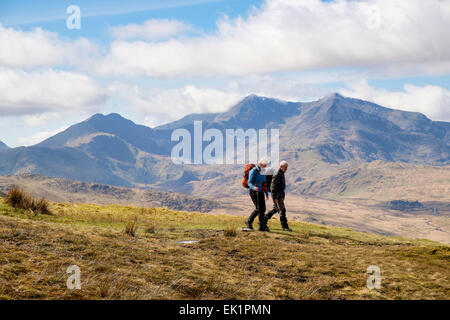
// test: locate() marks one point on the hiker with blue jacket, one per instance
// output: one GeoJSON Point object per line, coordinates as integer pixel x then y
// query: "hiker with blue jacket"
{"type": "Point", "coordinates": [257, 186]}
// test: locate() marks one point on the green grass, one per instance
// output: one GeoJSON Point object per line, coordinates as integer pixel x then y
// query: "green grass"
{"type": "Point", "coordinates": [312, 262]}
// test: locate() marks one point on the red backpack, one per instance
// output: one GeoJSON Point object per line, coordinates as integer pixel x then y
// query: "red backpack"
{"type": "Point", "coordinates": [248, 167]}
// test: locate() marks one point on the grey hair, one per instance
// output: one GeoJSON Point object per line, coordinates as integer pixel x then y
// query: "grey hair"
{"type": "Point", "coordinates": [263, 161]}
{"type": "Point", "coordinates": [283, 163]}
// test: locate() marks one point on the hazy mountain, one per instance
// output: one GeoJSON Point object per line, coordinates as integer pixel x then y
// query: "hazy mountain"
{"type": "Point", "coordinates": [345, 129]}
{"type": "Point", "coordinates": [58, 162]}
{"type": "Point", "coordinates": [105, 149]}
{"type": "Point", "coordinates": [337, 129]}
{"type": "Point", "coordinates": [139, 136]}
{"type": "Point", "coordinates": [3, 146]}
{"type": "Point", "coordinates": [316, 137]}
{"type": "Point", "coordinates": [252, 112]}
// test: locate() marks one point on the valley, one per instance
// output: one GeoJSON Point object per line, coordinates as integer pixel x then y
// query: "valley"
{"type": "Point", "coordinates": [347, 159]}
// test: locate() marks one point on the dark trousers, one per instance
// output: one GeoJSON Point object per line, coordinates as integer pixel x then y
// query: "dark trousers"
{"type": "Point", "coordinates": [260, 208]}
{"type": "Point", "coordinates": [281, 209]}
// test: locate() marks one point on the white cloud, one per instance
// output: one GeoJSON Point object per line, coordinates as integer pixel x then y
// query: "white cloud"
{"type": "Point", "coordinates": [433, 101]}
{"type": "Point", "coordinates": [47, 91]}
{"type": "Point", "coordinates": [160, 105]}
{"type": "Point", "coordinates": [39, 137]}
{"type": "Point", "coordinates": [39, 48]}
{"type": "Point", "coordinates": [290, 89]}
{"type": "Point", "coordinates": [153, 29]}
{"type": "Point", "coordinates": [41, 119]}
{"type": "Point", "coordinates": [297, 35]}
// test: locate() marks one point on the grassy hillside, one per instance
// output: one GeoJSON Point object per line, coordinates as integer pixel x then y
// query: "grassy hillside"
{"type": "Point", "coordinates": [360, 215]}
{"type": "Point", "coordinates": [59, 190]}
{"type": "Point", "coordinates": [313, 262]}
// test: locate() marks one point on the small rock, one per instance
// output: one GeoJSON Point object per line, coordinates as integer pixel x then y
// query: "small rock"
{"type": "Point", "coordinates": [187, 241]}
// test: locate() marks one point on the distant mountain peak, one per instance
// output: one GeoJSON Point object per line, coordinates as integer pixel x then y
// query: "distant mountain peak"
{"type": "Point", "coordinates": [99, 126]}
{"type": "Point", "coordinates": [97, 115]}
{"type": "Point", "coordinates": [250, 96]}
{"type": "Point", "coordinates": [3, 146]}
{"type": "Point", "coordinates": [100, 122]}
{"type": "Point", "coordinates": [332, 96]}
{"type": "Point", "coordinates": [337, 95]}
{"type": "Point", "coordinates": [114, 115]}
{"type": "Point", "coordinates": [102, 116]}
{"type": "Point", "coordinates": [257, 112]}
{"type": "Point", "coordinates": [255, 98]}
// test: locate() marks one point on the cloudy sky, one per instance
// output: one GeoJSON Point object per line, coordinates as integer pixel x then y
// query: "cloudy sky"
{"type": "Point", "coordinates": [156, 61]}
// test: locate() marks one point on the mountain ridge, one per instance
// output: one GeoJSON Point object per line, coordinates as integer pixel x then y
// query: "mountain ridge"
{"type": "Point", "coordinates": [3, 146]}
{"type": "Point", "coordinates": [315, 137]}
{"type": "Point", "coordinates": [241, 114]}
{"type": "Point", "coordinates": [112, 123]}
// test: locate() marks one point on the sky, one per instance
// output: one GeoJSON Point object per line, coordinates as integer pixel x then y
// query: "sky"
{"type": "Point", "coordinates": [155, 61]}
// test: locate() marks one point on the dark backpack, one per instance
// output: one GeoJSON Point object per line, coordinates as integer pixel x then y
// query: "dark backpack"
{"type": "Point", "coordinates": [248, 167]}
{"type": "Point", "coordinates": [269, 182]}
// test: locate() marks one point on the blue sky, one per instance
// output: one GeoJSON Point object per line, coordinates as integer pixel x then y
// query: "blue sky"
{"type": "Point", "coordinates": [156, 61]}
{"type": "Point", "coordinates": [99, 15]}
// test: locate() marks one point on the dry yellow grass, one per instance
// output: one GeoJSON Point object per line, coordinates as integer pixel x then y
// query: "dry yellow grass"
{"type": "Point", "coordinates": [357, 214]}
{"type": "Point", "coordinates": [19, 199]}
{"type": "Point", "coordinates": [313, 262]}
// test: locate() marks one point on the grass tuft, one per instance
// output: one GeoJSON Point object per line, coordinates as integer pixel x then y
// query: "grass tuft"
{"type": "Point", "coordinates": [150, 228]}
{"type": "Point", "coordinates": [18, 199]}
{"type": "Point", "coordinates": [131, 227]}
{"type": "Point", "coordinates": [230, 232]}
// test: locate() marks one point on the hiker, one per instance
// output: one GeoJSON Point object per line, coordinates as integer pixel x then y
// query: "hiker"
{"type": "Point", "coordinates": [257, 186]}
{"type": "Point", "coordinates": [278, 187]}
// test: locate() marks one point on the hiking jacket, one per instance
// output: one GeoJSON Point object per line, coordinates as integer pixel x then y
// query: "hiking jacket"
{"type": "Point", "coordinates": [269, 182]}
{"type": "Point", "coordinates": [278, 185]}
{"type": "Point", "coordinates": [256, 179]}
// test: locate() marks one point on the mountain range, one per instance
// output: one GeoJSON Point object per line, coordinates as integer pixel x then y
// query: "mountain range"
{"type": "Point", "coordinates": [318, 138]}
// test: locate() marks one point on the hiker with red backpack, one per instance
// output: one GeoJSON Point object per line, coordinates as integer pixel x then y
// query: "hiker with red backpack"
{"type": "Point", "coordinates": [256, 182]}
